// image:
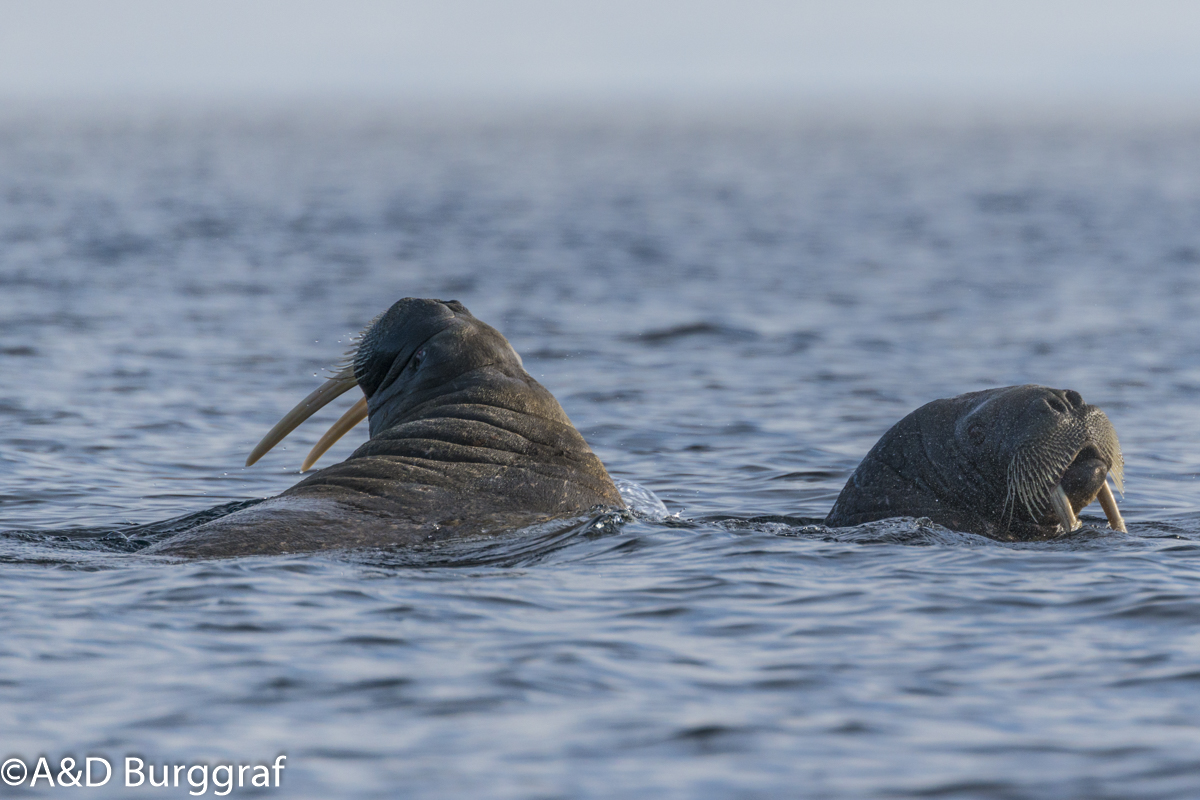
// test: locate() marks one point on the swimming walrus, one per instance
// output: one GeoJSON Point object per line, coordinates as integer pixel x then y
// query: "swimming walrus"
{"type": "Point", "coordinates": [462, 441]}
{"type": "Point", "coordinates": [1016, 463]}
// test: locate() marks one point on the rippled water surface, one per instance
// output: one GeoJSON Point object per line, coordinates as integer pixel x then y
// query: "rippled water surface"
{"type": "Point", "coordinates": [732, 309]}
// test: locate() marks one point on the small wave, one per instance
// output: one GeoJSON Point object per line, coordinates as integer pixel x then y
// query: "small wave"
{"type": "Point", "coordinates": [687, 330]}
{"type": "Point", "coordinates": [914, 532]}
{"type": "Point", "coordinates": [123, 538]}
{"type": "Point", "coordinates": [642, 503]}
{"type": "Point", "coordinates": [519, 548]}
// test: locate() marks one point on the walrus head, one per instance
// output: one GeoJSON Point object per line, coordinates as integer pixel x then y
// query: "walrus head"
{"type": "Point", "coordinates": [407, 355]}
{"type": "Point", "coordinates": [1018, 462]}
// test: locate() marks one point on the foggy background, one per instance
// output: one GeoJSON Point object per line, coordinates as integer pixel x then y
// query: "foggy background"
{"type": "Point", "coordinates": [1047, 51]}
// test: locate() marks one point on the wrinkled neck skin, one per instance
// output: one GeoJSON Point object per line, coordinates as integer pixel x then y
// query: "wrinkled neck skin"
{"type": "Point", "coordinates": [455, 359]}
{"type": "Point", "coordinates": [951, 461]}
{"type": "Point", "coordinates": [502, 384]}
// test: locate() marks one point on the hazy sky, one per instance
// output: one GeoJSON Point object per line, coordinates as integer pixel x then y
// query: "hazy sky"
{"type": "Point", "coordinates": [1039, 49]}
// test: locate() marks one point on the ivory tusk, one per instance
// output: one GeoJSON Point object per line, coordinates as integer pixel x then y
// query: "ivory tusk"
{"type": "Point", "coordinates": [1109, 504]}
{"type": "Point", "coordinates": [1062, 509]}
{"type": "Point", "coordinates": [333, 388]}
{"type": "Point", "coordinates": [356, 414]}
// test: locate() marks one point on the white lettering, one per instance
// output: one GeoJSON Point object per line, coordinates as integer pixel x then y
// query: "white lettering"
{"type": "Point", "coordinates": [227, 785]}
{"type": "Point", "coordinates": [64, 768]}
{"type": "Point", "coordinates": [38, 772]}
{"type": "Point", "coordinates": [129, 770]}
{"type": "Point", "coordinates": [14, 771]}
{"type": "Point", "coordinates": [88, 770]}
{"type": "Point", "coordinates": [166, 776]}
{"type": "Point", "coordinates": [203, 785]}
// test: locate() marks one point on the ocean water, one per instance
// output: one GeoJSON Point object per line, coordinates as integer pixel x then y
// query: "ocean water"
{"type": "Point", "coordinates": [732, 308]}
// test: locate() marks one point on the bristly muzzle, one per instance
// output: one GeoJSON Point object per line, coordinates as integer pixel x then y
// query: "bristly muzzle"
{"type": "Point", "coordinates": [352, 360]}
{"type": "Point", "coordinates": [1037, 468]}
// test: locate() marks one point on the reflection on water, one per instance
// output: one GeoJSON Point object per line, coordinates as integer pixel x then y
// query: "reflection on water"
{"type": "Point", "coordinates": [731, 312]}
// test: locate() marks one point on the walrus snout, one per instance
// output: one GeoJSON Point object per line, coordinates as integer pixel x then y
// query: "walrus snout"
{"type": "Point", "coordinates": [1085, 480]}
{"type": "Point", "coordinates": [1065, 464]}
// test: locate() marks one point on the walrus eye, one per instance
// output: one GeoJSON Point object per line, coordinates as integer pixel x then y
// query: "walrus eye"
{"type": "Point", "coordinates": [975, 433]}
{"type": "Point", "coordinates": [417, 358]}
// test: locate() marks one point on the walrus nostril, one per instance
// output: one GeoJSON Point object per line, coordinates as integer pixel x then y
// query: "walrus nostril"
{"type": "Point", "coordinates": [1056, 404]}
{"type": "Point", "coordinates": [1074, 398]}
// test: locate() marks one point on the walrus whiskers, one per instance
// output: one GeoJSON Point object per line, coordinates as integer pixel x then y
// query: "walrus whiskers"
{"type": "Point", "coordinates": [1117, 473]}
{"type": "Point", "coordinates": [1032, 481]}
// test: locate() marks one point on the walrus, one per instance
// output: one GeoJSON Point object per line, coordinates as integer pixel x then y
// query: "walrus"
{"type": "Point", "coordinates": [1016, 463]}
{"type": "Point", "coordinates": [463, 441]}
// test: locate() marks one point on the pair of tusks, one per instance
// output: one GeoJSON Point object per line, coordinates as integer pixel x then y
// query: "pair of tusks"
{"type": "Point", "coordinates": [335, 387]}
{"type": "Point", "coordinates": [1066, 514]}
